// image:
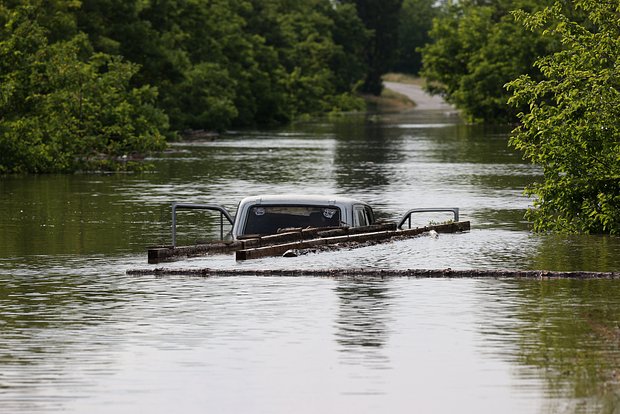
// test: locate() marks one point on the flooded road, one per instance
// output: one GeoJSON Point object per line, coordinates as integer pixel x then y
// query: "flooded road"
{"type": "Point", "coordinates": [80, 335]}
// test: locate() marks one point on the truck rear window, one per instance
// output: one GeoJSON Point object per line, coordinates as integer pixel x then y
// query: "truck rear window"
{"type": "Point", "coordinates": [269, 219]}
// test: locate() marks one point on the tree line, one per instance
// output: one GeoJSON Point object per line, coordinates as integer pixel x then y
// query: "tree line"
{"type": "Point", "coordinates": [85, 82]}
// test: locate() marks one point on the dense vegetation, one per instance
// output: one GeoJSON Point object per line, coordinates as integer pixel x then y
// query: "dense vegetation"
{"type": "Point", "coordinates": [553, 67]}
{"type": "Point", "coordinates": [63, 106]}
{"type": "Point", "coordinates": [85, 82]}
{"type": "Point", "coordinates": [88, 83]}
{"type": "Point", "coordinates": [415, 22]}
{"type": "Point", "coordinates": [477, 48]}
{"type": "Point", "coordinates": [381, 18]}
{"type": "Point", "coordinates": [571, 126]}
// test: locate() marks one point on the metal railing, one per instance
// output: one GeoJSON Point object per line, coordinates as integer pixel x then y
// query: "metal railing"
{"type": "Point", "coordinates": [188, 206]}
{"type": "Point", "coordinates": [407, 216]}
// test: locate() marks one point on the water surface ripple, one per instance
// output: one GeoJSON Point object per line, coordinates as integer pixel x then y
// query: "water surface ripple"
{"type": "Point", "coordinates": [79, 335]}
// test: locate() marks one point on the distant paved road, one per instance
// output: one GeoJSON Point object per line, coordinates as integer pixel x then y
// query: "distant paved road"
{"type": "Point", "coordinates": [422, 99]}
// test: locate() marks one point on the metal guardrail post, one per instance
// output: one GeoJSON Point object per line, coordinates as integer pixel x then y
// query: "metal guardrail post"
{"type": "Point", "coordinates": [187, 206]}
{"type": "Point", "coordinates": [407, 216]}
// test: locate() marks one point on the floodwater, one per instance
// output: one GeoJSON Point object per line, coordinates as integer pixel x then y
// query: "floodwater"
{"type": "Point", "coordinates": [79, 335]}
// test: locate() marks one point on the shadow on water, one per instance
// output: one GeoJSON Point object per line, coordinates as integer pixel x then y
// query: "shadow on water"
{"type": "Point", "coordinates": [74, 214]}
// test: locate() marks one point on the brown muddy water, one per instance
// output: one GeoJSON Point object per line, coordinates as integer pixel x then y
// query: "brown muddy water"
{"type": "Point", "coordinates": [79, 335]}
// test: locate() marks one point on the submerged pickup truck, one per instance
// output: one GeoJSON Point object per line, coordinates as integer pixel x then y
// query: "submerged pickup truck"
{"type": "Point", "coordinates": [272, 225]}
{"type": "Point", "coordinates": [263, 215]}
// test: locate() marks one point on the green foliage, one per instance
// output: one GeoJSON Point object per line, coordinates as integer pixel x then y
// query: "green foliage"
{"type": "Point", "coordinates": [130, 65]}
{"type": "Point", "coordinates": [571, 127]}
{"type": "Point", "coordinates": [381, 18]}
{"type": "Point", "coordinates": [233, 62]}
{"type": "Point", "coordinates": [477, 48]}
{"type": "Point", "coordinates": [415, 22]}
{"type": "Point", "coordinates": [179, 46]}
{"type": "Point", "coordinates": [61, 112]}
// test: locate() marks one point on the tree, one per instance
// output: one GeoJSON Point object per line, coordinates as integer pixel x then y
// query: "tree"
{"type": "Point", "coordinates": [571, 128]}
{"type": "Point", "coordinates": [415, 22]}
{"type": "Point", "coordinates": [65, 108]}
{"type": "Point", "coordinates": [317, 47]}
{"type": "Point", "coordinates": [477, 48]}
{"type": "Point", "coordinates": [232, 62]}
{"type": "Point", "coordinates": [381, 19]}
{"type": "Point", "coordinates": [199, 64]}
{"type": "Point", "coordinates": [350, 37]}
{"type": "Point", "coordinates": [181, 49]}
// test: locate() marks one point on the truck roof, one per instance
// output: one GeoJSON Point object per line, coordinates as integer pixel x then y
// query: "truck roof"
{"type": "Point", "coordinates": [294, 199]}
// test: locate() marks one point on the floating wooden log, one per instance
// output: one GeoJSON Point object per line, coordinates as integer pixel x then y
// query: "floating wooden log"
{"type": "Point", "coordinates": [368, 273]}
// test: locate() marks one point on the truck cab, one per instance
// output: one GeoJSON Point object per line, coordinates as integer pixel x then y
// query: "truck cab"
{"type": "Point", "coordinates": [269, 214]}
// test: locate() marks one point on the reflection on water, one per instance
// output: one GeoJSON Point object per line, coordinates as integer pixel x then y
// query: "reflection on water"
{"type": "Point", "coordinates": [569, 330]}
{"type": "Point", "coordinates": [363, 154]}
{"type": "Point", "coordinates": [113, 343]}
{"type": "Point", "coordinates": [78, 335]}
{"type": "Point", "coordinates": [362, 322]}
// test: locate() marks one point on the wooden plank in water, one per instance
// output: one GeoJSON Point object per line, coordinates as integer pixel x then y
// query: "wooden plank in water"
{"type": "Point", "coordinates": [169, 253]}
{"type": "Point", "coordinates": [294, 239]}
{"type": "Point", "coordinates": [378, 236]}
{"type": "Point", "coordinates": [280, 249]}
